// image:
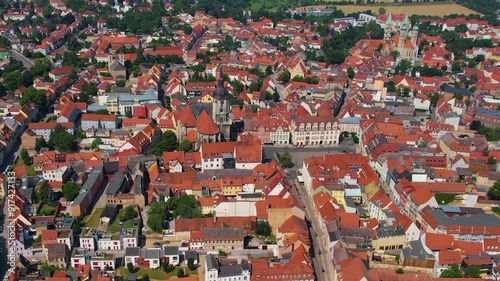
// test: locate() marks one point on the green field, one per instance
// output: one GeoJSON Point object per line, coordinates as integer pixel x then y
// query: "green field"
{"type": "Point", "coordinates": [93, 220]}
{"type": "Point", "coordinates": [446, 198]}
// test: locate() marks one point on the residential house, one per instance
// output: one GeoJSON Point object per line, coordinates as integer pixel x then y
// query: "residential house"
{"type": "Point", "coordinates": [88, 239]}
{"type": "Point", "coordinates": [444, 260]}
{"type": "Point", "coordinates": [58, 255]}
{"type": "Point", "coordinates": [97, 121]}
{"type": "Point", "coordinates": [219, 269]}
{"type": "Point", "coordinates": [79, 257]}
{"type": "Point", "coordinates": [102, 261]}
{"type": "Point", "coordinates": [315, 130]}
{"type": "Point", "coordinates": [225, 238]}
{"type": "Point", "coordinates": [43, 129]}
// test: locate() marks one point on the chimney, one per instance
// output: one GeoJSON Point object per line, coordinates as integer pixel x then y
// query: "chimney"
{"type": "Point", "coordinates": [215, 217]}
{"type": "Point", "coordinates": [293, 247]}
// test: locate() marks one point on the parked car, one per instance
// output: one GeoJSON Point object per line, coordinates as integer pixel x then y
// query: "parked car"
{"type": "Point", "coordinates": [157, 244]}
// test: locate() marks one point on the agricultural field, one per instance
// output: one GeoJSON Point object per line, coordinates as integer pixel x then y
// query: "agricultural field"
{"type": "Point", "coordinates": [418, 9]}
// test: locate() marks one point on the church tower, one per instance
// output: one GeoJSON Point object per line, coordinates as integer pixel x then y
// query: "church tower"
{"type": "Point", "coordinates": [221, 108]}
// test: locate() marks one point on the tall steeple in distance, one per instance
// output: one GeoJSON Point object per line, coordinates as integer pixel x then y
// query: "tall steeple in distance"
{"type": "Point", "coordinates": [221, 107]}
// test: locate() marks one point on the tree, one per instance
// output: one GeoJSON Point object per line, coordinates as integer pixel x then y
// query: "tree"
{"type": "Point", "coordinates": [473, 271]}
{"type": "Point", "coordinates": [263, 228]}
{"type": "Point", "coordinates": [453, 272]}
{"type": "Point", "coordinates": [157, 214]}
{"type": "Point", "coordinates": [62, 140]}
{"type": "Point", "coordinates": [492, 161]}
{"type": "Point", "coordinates": [391, 87]}
{"type": "Point", "coordinates": [394, 54]}
{"type": "Point", "coordinates": [187, 29]}
{"type": "Point", "coordinates": [461, 28]}
{"type": "Point", "coordinates": [494, 191]}
{"type": "Point", "coordinates": [27, 160]}
{"type": "Point", "coordinates": [44, 193]}
{"type": "Point", "coordinates": [456, 67]}
{"type": "Point", "coordinates": [70, 190]}
{"type": "Point", "coordinates": [128, 113]}
{"type": "Point", "coordinates": [168, 142]}
{"type": "Point", "coordinates": [96, 142]}
{"type": "Point", "coordinates": [180, 273]}
{"type": "Point", "coordinates": [39, 143]}
{"type": "Point", "coordinates": [285, 159]}
{"type": "Point", "coordinates": [129, 213]}
{"type": "Point", "coordinates": [73, 74]}
{"type": "Point", "coordinates": [35, 96]}
{"type": "Point", "coordinates": [185, 207]}
{"type": "Point", "coordinates": [190, 264]}
{"type": "Point", "coordinates": [130, 267]}
{"type": "Point", "coordinates": [167, 267]}
{"type": "Point", "coordinates": [381, 11]}
{"type": "Point", "coordinates": [284, 77]}
{"type": "Point", "coordinates": [145, 277]}
{"type": "Point", "coordinates": [400, 271]}
{"type": "Point", "coordinates": [350, 72]}
{"type": "Point", "coordinates": [120, 83]}
{"type": "Point", "coordinates": [185, 146]}
{"type": "Point", "coordinates": [269, 70]}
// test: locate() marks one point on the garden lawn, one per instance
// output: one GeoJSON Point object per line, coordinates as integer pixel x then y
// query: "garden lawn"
{"type": "Point", "coordinates": [116, 227]}
{"type": "Point", "coordinates": [446, 198]}
{"type": "Point", "coordinates": [93, 220]}
{"type": "Point", "coordinates": [157, 274]}
{"type": "Point", "coordinates": [30, 171]}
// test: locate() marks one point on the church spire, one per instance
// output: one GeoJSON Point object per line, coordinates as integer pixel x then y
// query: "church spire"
{"type": "Point", "coordinates": [220, 92]}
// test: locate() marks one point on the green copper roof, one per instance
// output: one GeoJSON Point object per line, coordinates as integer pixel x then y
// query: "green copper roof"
{"type": "Point", "coordinates": [406, 21]}
{"type": "Point", "coordinates": [389, 19]}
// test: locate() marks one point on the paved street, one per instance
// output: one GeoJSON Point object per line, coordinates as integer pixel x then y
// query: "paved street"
{"type": "Point", "coordinates": [18, 56]}
{"type": "Point", "coordinates": [318, 252]}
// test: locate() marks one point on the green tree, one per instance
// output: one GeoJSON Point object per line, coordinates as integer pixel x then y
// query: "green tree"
{"type": "Point", "coordinates": [285, 159]}
{"type": "Point", "coordinates": [453, 272]}
{"type": "Point", "coordinates": [187, 29]}
{"type": "Point", "coordinates": [168, 142]}
{"type": "Point", "coordinates": [62, 140]}
{"type": "Point", "coordinates": [400, 271]}
{"type": "Point", "coordinates": [70, 190]}
{"type": "Point", "coordinates": [394, 54]}
{"type": "Point", "coordinates": [492, 161]}
{"type": "Point", "coordinates": [180, 273]}
{"type": "Point", "coordinates": [456, 67]}
{"type": "Point", "coordinates": [130, 267]}
{"type": "Point", "coordinates": [145, 277]}
{"type": "Point", "coordinates": [350, 72]}
{"type": "Point", "coordinates": [39, 143]}
{"type": "Point", "coordinates": [473, 271]}
{"type": "Point", "coordinates": [269, 70]}
{"type": "Point", "coordinates": [157, 214]}
{"type": "Point", "coordinates": [120, 83]}
{"type": "Point", "coordinates": [494, 191]}
{"type": "Point", "coordinates": [27, 160]}
{"type": "Point", "coordinates": [185, 146]}
{"type": "Point", "coordinates": [45, 194]}
{"type": "Point", "coordinates": [128, 113]}
{"type": "Point", "coordinates": [167, 267]}
{"type": "Point", "coordinates": [35, 96]}
{"type": "Point", "coordinates": [461, 28]}
{"type": "Point", "coordinates": [190, 264]}
{"type": "Point", "coordinates": [129, 213]}
{"type": "Point", "coordinates": [263, 228]}
{"type": "Point", "coordinates": [381, 11]}
{"type": "Point", "coordinates": [284, 77]}
{"type": "Point", "coordinates": [185, 207]}
{"type": "Point", "coordinates": [96, 142]}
